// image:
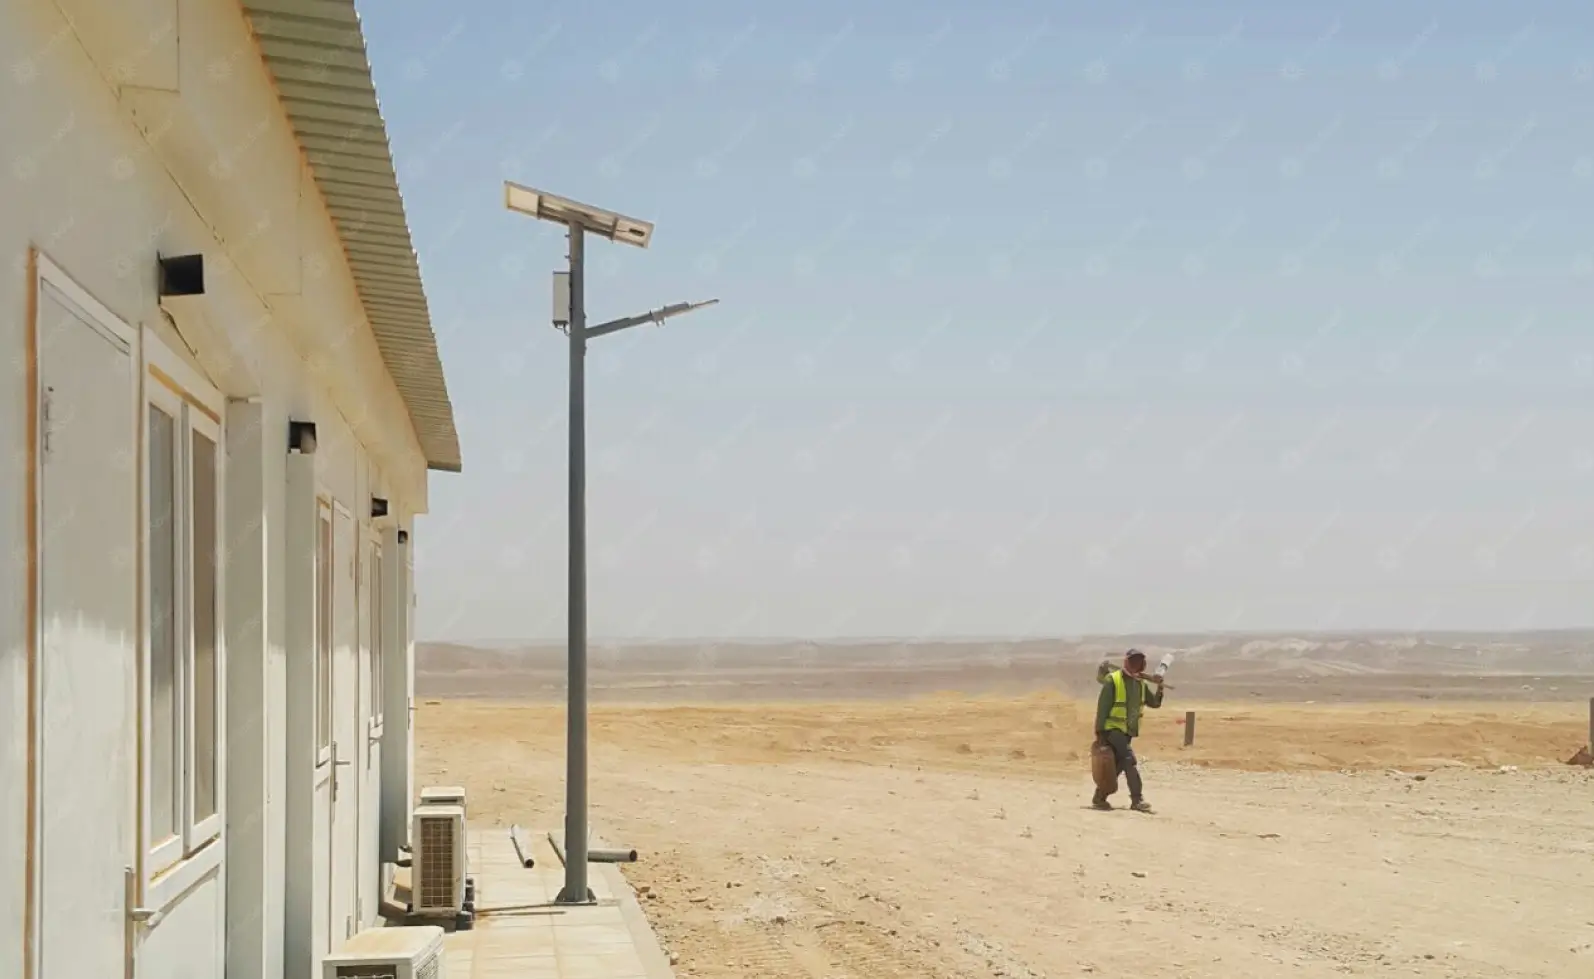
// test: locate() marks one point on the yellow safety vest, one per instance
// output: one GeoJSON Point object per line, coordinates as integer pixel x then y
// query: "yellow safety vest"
{"type": "Point", "coordinates": [1118, 717]}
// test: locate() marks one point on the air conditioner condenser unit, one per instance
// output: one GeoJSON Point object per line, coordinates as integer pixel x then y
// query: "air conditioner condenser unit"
{"type": "Point", "coordinates": [389, 953]}
{"type": "Point", "coordinates": [437, 868]}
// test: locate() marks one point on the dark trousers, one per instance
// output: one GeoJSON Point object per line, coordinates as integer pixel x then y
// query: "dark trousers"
{"type": "Point", "coordinates": [1128, 767]}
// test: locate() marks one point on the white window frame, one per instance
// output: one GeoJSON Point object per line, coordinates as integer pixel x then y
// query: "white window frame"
{"type": "Point", "coordinates": [162, 854]}
{"type": "Point", "coordinates": [208, 827]}
{"type": "Point", "coordinates": [172, 866]}
{"type": "Point", "coordinates": [376, 620]}
{"type": "Point", "coordinates": [326, 618]}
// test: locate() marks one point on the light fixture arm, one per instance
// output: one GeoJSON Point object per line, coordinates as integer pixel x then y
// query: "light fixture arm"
{"type": "Point", "coordinates": [655, 316]}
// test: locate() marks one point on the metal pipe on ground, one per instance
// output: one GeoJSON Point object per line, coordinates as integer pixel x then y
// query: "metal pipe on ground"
{"type": "Point", "coordinates": [601, 854]}
{"type": "Point", "coordinates": [521, 849]}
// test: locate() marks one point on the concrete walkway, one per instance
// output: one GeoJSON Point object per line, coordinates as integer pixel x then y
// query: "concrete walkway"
{"type": "Point", "coordinates": [521, 934]}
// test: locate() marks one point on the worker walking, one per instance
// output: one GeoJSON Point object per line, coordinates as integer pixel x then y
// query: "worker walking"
{"type": "Point", "coordinates": [1124, 692]}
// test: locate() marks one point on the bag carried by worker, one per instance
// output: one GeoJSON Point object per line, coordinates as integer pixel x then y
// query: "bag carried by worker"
{"type": "Point", "coordinates": [1104, 768]}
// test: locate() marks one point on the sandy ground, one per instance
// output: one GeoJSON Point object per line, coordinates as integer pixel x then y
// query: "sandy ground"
{"type": "Point", "coordinates": [951, 837]}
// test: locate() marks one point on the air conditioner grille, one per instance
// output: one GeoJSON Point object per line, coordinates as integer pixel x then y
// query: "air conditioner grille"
{"type": "Point", "coordinates": [438, 872]}
{"type": "Point", "coordinates": [368, 971]}
{"type": "Point", "coordinates": [428, 969]}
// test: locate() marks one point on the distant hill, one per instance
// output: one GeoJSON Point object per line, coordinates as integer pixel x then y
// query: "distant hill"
{"type": "Point", "coordinates": [1289, 666]}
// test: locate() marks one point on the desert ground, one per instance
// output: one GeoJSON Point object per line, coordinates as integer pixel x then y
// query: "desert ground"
{"type": "Point", "coordinates": [856, 830]}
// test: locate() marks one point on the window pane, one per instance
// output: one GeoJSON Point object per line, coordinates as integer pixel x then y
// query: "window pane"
{"type": "Point", "coordinates": [376, 605]}
{"type": "Point", "coordinates": [204, 676]}
{"type": "Point", "coordinates": [323, 679]}
{"type": "Point", "coordinates": [163, 550]}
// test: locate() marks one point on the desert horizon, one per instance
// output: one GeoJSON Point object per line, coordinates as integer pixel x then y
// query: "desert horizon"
{"type": "Point", "coordinates": [1302, 667]}
{"type": "Point", "coordinates": [1183, 637]}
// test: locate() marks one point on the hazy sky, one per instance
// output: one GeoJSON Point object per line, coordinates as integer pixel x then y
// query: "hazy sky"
{"type": "Point", "coordinates": [1037, 317]}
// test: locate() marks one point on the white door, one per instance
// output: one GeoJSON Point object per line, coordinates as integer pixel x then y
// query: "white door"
{"type": "Point", "coordinates": [346, 735]}
{"type": "Point", "coordinates": [87, 679]}
{"type": "Point", "coordinates": [324, 938]}
{"type": "Point", "coordinates": [369, 723]}
{"type": "Point", "coordinates": [405, 649]}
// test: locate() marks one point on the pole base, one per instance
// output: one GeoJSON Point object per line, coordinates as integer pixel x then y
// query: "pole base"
{"type": "Point", "coordinates": [565, 898]}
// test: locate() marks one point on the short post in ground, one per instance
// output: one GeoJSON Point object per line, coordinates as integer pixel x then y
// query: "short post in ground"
{"type": "Point", "coordinates": [1189, 727]}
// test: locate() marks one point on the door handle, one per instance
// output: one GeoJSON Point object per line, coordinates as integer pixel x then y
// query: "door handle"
{"type": "Point", "coordinates": [335, 766]}
{"type": "Point", "coordinates": [148, 917]}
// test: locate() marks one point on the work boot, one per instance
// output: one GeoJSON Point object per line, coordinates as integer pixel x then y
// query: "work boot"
{"type": "Point", "coordinates": [1100, 802]}
{"type": "Point", "coordinates": [1141, 805]}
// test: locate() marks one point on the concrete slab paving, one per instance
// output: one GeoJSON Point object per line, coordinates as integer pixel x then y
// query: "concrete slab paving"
{"type": "Point", "coordinates": [521, 934]}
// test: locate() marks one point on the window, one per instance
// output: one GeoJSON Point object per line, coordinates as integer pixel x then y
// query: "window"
{"type": "Point", "coordinates": [182, 775]}
{"type": "Point", "coordinates": [204, 678]}
{"type": "Point", "coordinates": [164, 584]}
{"type": "Point", "coordinates": [375, 589]}
{"type": "Point", "coordinates": [324, 570]}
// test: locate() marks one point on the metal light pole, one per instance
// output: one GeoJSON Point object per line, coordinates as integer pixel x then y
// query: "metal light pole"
{"type": "Point", "coordinates": [575, 890]}
{"type": "Point", "coordinates": [578, 220]}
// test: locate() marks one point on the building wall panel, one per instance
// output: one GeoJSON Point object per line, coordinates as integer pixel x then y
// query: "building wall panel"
{"type": "Point", "coordinates": [103, 174]}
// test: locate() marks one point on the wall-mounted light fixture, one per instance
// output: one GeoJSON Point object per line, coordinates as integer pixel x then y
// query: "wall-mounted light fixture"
{"type": "Point", "coordinates": [378, 507]}
{"type": "Point", "coordinates": [181, 275]}
{"type": "Point", "coordinates": [404, 537]}
{"type": "Point", "coordinates": [301, 437]}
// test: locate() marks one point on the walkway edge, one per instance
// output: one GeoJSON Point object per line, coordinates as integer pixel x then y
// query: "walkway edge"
{"type": "Point", "coordinates": [643, 937]}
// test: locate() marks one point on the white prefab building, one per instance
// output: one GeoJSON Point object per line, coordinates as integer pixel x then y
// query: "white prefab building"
{"type": "Point", "coordinates": [222, 402]}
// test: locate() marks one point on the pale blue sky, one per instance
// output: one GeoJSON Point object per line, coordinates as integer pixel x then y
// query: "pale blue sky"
{"type": "Point", "coordinates": [1037, 317]}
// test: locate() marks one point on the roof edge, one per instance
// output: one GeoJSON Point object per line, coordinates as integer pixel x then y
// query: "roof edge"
{"type": "Point", "coordinates": [289, 34]}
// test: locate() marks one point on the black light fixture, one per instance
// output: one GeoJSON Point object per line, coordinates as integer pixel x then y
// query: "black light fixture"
{"type": "Point", "coordinates": [301, 437]}
{"type": "Point", "coordinates": [404, 537]}
{"type": "Point", "coordinates": [378, 507]}
{"type": "Point", "coordinates": [182, 275]}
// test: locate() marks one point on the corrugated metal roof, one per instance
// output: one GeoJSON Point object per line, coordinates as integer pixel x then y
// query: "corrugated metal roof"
{"type": "Point", "coordinates": [315, 51]}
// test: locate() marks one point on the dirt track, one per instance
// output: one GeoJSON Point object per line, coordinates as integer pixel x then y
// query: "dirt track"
{"type": "Point", "coordinates": [940, 839]}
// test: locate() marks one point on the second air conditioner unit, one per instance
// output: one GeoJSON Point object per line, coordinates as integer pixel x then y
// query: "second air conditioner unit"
{"type": "Point", "coordinates": [388, 953]}
{"type": "Point", "coordinates": [437, 868]}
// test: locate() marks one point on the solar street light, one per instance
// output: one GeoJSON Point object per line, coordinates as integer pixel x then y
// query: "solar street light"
{"type": "Point", "coordinates": [570, 314]}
